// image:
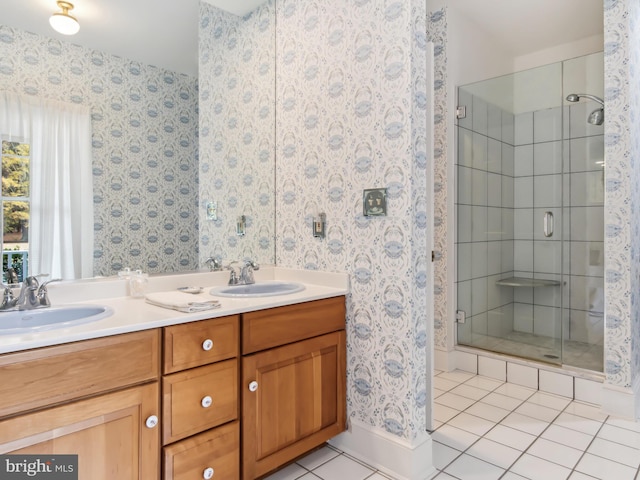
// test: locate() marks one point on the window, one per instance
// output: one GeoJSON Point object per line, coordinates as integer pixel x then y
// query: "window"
{"type": "Point", "coordinates": [15, 210]}
{"type": "Point", "coordinates": [47, 187]}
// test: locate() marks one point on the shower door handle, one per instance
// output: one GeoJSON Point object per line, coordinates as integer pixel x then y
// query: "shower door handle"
{"type": "Point", "coordinates": [547, 224]}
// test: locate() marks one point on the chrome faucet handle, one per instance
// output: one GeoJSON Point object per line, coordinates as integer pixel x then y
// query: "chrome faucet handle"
{"type": "Point", "coordinates": [246, 274]}
{"type": "Point", "coordinates": [215, 265]}
{"type": "Point", "coordinates": [9, 300]}
{"type": "Point", "coordinates": [44, 284]}
{"type": "Point", "coordinates": [43, 293]}
{"type": "Point", "coordinates": [8, 292]}
{"type": "Point", "coordinates": [233, 274]}
{"type": "Point", "coordinates": [253, 264]}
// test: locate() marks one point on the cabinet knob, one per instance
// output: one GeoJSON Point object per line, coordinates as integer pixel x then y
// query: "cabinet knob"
{"type": "Point", "coordinates": [207, 345]}
{"type": "Point", "coordinates": [152, 421]}
{"type": "Point", "coordinates": [253, 386]}
{"type": "Point", "coordinates": [208, 473]}
{"type": "Point", "coordinates": [206, 401]}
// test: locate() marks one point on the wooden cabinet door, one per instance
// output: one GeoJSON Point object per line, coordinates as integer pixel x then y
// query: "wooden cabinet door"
{"type": "Point", "coordinates": [108, 433]}
{"type": "Point", "coordinates": [299, 402]}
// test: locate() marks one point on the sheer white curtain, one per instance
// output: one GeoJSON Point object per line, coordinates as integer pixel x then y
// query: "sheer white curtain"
{"type": "Point", "coordinates": [61, 218]}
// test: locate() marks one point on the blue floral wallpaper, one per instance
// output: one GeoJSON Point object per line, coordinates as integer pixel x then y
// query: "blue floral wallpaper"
{"type": "Point", "coordinates": [634, 145]}
{"type": "Point", "coordinates": [351, 81]}
{"type": "Point", "coordinates": [437, 30]}
{"type": "Point", "coordinates": [145, 145]}
{"type": "Point", "coordinates": [622, 193]}
{"type": "Point", "coordinates": [237, 133]}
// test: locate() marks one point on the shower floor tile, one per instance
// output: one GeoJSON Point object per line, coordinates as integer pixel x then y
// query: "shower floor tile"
{"type": "Point", "coordinates": [545, 349]}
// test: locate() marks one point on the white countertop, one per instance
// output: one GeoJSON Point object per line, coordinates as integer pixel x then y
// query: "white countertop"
{"type": "Point", "coordinates": [134, 314]}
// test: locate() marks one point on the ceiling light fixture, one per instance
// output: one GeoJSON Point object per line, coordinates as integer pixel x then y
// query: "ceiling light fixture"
{"type": "Point", "coordinates": [62, 22]}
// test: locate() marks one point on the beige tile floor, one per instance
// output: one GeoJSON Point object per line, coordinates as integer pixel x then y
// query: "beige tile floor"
{"type": "Point", "coordinates": [328, 463]}
{"type": "Point", "coordinates": [486, 429]}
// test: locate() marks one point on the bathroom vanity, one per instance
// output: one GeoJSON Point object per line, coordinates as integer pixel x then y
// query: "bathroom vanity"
{"type": "Point", "coordinates": [226, 394]}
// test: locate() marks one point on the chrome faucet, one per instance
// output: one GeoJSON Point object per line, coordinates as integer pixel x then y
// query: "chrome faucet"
{"type": "Point", "coordinates": [243, 275]}
{"type": "Point", "coordinates": [33, 294]}
{"type": "Point", "coordinates": [28, 298]}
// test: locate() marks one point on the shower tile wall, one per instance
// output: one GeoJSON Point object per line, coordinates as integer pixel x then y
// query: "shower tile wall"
{"type": "Point", "coordinates": [484, 209]}
{"type": "Point", "coordinates": [538, 189]}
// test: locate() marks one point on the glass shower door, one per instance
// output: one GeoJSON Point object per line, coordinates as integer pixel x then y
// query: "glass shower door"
{"type": "Point", "coordinates": [509, 207]}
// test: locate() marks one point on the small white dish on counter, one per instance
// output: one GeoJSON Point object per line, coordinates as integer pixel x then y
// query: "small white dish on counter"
{"type": "Point", "coordinates": [193, 290]}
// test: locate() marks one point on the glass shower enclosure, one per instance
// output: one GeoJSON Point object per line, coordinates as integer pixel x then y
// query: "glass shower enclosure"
{"type": "Point", "coordinates": [530, 214]}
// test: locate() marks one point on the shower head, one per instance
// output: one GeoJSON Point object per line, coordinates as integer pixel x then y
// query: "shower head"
{"type": "Point", "coordinates": [596, 117]}
{"type": "Point", "coordinates": [575, 97]}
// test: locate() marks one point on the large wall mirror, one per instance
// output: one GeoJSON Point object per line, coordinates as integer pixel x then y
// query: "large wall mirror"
{"type": "Point", "coordinates": [237, 134]}
{"type": "Point", "coordinates": [178, 159]}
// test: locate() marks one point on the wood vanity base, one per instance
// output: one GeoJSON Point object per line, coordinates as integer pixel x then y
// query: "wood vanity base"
{"type": "Point", "coordinates": [228, 398]}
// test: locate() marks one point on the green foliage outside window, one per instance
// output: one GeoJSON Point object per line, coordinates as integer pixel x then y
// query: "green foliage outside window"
{"type": "Point", "coordinates": [15, 183]}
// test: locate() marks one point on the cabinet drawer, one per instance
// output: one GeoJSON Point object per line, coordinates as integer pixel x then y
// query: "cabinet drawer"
{"type": "Point", "coordinates": [217, 449]}
{"type": "Point", "coordinates": [184, 408]}
{"type": "Point", "coordinates": [278, 326]}
{"type": "Point", "coordinates": [199, 343]}
{"type": "Point", "coordinates": [52, 375]}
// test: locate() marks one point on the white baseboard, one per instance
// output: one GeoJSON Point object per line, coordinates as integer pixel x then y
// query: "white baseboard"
{"type": "Point", "coordinates": [622, 402]}
{"type": "Point", "coordinates": [386, 452]}
{"type": "Point", "coordinates": [444, 360]}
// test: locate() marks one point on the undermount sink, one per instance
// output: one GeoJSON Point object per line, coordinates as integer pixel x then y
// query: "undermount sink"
{"type": "Point", "coordinates": [261, 289]}
{"type": "Point", "coordinates": [50, 318]}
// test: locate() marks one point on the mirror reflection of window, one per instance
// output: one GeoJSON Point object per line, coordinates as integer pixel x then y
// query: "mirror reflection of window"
{"type": "Point", "coordinates": [47, 188]}
{"type": "Point", "coordinates": [15, 210]}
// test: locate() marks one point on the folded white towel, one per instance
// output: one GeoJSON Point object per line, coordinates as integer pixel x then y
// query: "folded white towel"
{"type": "Point", "coordinates": [182, 302]}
